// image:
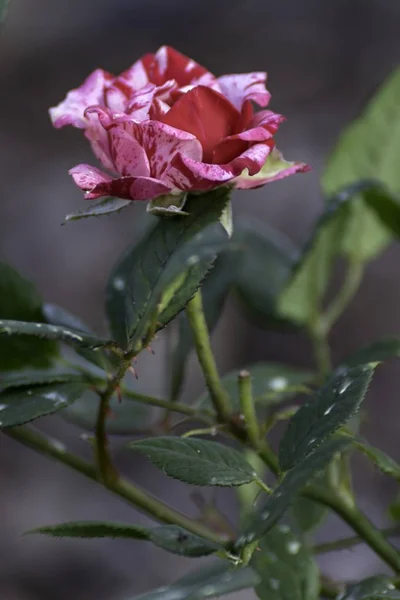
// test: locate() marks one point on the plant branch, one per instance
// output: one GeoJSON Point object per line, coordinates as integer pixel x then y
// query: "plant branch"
{"type": "Point", "coordinates": [248, 409]}
{"type": "Point", "coordinates": [350, 542]}
{"type": "Point", "coordinates": [197, 322]}
{"type": "Point", "coordinates": [121, 487]}
{"type": "Point", "coordinates": [178, 407]}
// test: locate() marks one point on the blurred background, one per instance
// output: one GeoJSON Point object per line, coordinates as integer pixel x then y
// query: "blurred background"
{"type": "Point", "coordinates": [324, 60]}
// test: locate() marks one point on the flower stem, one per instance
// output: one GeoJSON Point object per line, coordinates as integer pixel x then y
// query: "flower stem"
{"type": "Point", "coordinates": [197, 322]}
{"type": "Point", "coordinates": [121, 487]}
{"type": "Point", "coordinates": [349, 542]}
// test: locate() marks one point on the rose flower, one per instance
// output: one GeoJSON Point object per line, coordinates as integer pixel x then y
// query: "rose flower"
{"type": "Point", "coordinates": [168, 126]}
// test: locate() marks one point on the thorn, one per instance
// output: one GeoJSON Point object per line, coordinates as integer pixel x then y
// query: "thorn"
{"type": "Point", "coordinates": [150, 349]}
{"type": "Point", "coordinates": [119, 394]}
{"type": "Point", "coordinates": [133, 371]}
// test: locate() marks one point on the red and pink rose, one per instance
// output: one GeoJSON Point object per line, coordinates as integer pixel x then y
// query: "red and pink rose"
{"type": "Point", "coordinates": [167, 125]}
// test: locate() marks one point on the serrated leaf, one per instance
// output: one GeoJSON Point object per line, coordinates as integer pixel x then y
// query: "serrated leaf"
{"type": "Point", "coordinates": [24, 404]}
{"type": "Point", "coordinates": [24, 378]}
{"type": "Point", "coordinates": [375, 352]}
{"type": "Point", "coordinates": [377, 587]}
{"type": "Point", "coordinates": [265, 261]}
{"type": "Point", "coordinates": [271, 383]}
{"type": "Point", "coordinates": [281, 498]}
{"type": "Point", "coordinates": [178, 249]}
{"type": "Point", "coordinates": [214, 293]}
{"type": "Point", "coordinates": [385, 463]}
{"type": "Point", "coordinates": [198, 462]}
{"type": "Point", "coordinates": [211, 581]}
{"type": "Point", "coordinates": [329, 409]}
{"type": "Point", "coordinates": [56, 315]}
{"type": "Point", "coordinates": [369, 145]}
{"type": "Point", "coordinates": [286, 567]}
{"type": "Point", "coordinates": [106, 206]}
{"type": "Point", "coordinates": [20, 300]}
{"type": "Point", "coordinates": [52, 332]}
{"type": "Point", "coordinates": [125, 417]}
{"type": "Point", "coordinates": [169, 537]}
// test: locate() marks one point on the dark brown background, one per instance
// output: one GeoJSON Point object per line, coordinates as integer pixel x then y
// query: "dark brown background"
{"type": "Point", "coordinates": [324, 60]}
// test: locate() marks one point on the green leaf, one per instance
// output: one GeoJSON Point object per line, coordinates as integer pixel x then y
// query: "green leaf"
{"type": "Point", "coordinates": [169, 537]}
{"type": "Point", "coordinates": [24, 378]}
{"type": "Point", "coordinates": [274, 168]}
{"type": "Point", "coordinates": [24, 404]}
{"type": "Point", "coordinates": [369, 145]}
{"type": "Point", "coordinates": [106, 206]}
{"type": "Point", "coordinates": [302, 296]}
{"type": "Point", "coordinates": [125, 418]}
{"type": "Point", "coordinates": [286, 567]}
{"type": "Point", "coordinates": [52, 332]}
{"type": "Point", "coordinates": [377, 587]}
{"type": "Point", "coordinates": [19, 300]}
{"type": "Point", "coordinates": [214, 293]}
{"type": "Point", "coordinates": [307, 514]}
{"type": "Point", "coordinates": [177, 252]}
{"type": "Point", "coordinates": [271, 382]}
{"type": "Point", "coordinates": [329, 409]}
{"type": "Point", "coordinates": [281, 498]}
{"type": "Point", "coordinates": [198, 462]}
{"type": "Point", "coordinates": [385, 463]}
{"type": "Point", "coordinates": [211, 581]}
{"type": "Point", "coordinates": [375, 352]}
{"type": "Point", "coordinates": [55, 315]}
{"type": "Point", "coordinates": [265, 261]}
{"type": "Point", "coordinates": [169, 205]}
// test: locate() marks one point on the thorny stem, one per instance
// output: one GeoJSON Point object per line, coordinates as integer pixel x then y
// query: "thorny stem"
{"type": "Point", "coordinates": [106, 468]}
{"type": "Point", "coordinates": [197, 322]}
{"type": "Point", "coordinates": [121, 487]}
{"type": "Point", "coordinates": [247, 408]}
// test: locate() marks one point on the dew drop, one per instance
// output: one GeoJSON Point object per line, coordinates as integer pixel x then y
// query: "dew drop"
{"type": "Point", "coordinates": [277, 384]}
{"type": "Point", "coordinates": [275, 584]}
{"type": "Point", "coordinates": [293, 547]}
{"type": "Point", "coordinates": [284, 528]}
{"type": "Point", "coordinates": [118, 284]}
{"type": "Point", "coordinates": [29, 393]}
{"type": "Point", "coordinates": [213, 480]}
{"type": "Point", "coordinates": [192, 260]}
{"type": "Point", "coordinates": [344, 386]}
{"type": "Point", "coordinates": [264, 515]}
{"type": "Point", "coordinates": [312, 441]}
{"type": "Point", "coordinates": [3, 406]}
{"type": "Point", "coordinates": [329, 409]}
{"type": "Point", "coordinates": [57, 445]}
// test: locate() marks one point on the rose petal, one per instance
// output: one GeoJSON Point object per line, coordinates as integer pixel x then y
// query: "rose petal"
{"type": "Point", "coordinates": [245, 86]}
{"type": "Point", "coordinates": [206, 114]}
{"type": "Point", "coordinates": [71, 110]}
{"type": "Point", "coordinates": [128, 154]}
{"type": "Point", "coordinates": [275, 167]}
{"type": "Point", "coordinates": [167, 63]}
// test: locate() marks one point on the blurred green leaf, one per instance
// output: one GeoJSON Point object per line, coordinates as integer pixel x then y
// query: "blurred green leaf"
{"type": "Point", "coordinates": [377, 587]}
{"type": "Point", "coordinates": [329, 409]}
{"type": "Point", "coordinates": [106, 206]}
{"type": "Point", "coordinates": [3, 10]}
{"type": "Point", "coordinates": [369, 147]}
{"type": "Point", "coordinates": [265, 260]}
{"type": "Point", "coordinates": [169, 537]}
{"type": "Point", "coordinates": [286, 567]}
{"type": "Point", "coordinates": [215, 580]}
{"type": "Point", "coordinates": [19, 300]}
{"type": "Point", "coordinates": [272, 383]}
{"type": "Point", "coordinates": [197, 462]}
{"type": "Point", "coordinates": [286, 492]}
{"type": "Point", "coordinates": [23, 404]}
{"type": "Point", "coordinates": [167, 266]}
{"type": "Point", "coordinates": [385, 463]}
{"type": "Point", "coordinates": [375, 352]}
{"type": "Point", "coordinates": [125, 418]}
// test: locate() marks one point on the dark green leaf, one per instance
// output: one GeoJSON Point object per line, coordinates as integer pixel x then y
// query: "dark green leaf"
{"type": "Point", "coordinates": [214, 293]}
{"type": "Point", "coordinates": [307, 514]}
{"type": "Point", "coordinates": [198, 462]}
{"type": "Point", "coordinates": [211, 581]}
{"type": "Point", "coordinates": [286, 567]}
{"type": "Point", "coordinates": [24, 378]}
{"type": "Point", "coordinates": [19, 300]}
{"type": "Point", "coordinates": [375, 352]}
{"type": "Point", "coordinates": [385, 463]}
{"type": "Point", "coordinates": [167, 266]}
{"type": "Point", "coordinates": [106, 206]}
{"type": "Point", "coordinates": [385, 206]}
{"type": "Point", "coordinates": [55, 315]}
{"type": "Point", "coordinates": [24, 404]}
{"type": "Point", "coordinates": [126, 417]}
{"type": "Point", "coordinates": [51, 332]}
{"type": "Point", "coordinates": [169, 537]}
{"type": "Point", "coordinates": [394, 510]}
{"type": "Point", "coordinates": [378, 587]}
{"type": "Point", "coordinates": [295, 479]}
{"type": "Point", "coordinates": [271, 382]}
{"type": "Point", "coordinates": [265, 261]}
{"type": "Point", "coordinates": [329, 409]}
